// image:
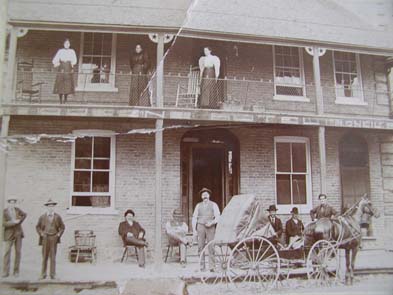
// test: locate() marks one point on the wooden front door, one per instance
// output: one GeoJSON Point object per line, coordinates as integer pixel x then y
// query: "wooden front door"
{"type": "Point", "coordinates": [208, 159]}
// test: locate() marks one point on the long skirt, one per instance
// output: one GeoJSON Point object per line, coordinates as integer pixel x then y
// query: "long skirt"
{"type": "Point", "coordinates": [64, 83]}
{"type": "Point", "coordinates": [210, 93]}
{"type": "Point", "coordinates": [139, 92]}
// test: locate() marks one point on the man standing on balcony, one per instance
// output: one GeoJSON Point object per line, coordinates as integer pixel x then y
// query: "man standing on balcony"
{"type": "Point", "coordinates": [204, 219]}
{"type": "Point", "coordinates": [50, 228]}
{"type": "Point", "coordinates": [209, 66]}
{"type": "Point", "coordinates": [13, 235]}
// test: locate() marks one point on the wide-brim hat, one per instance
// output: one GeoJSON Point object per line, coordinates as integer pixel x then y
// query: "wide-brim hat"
{"type": "Point", "coordinates": [50, 202]}
{"type": "Point", "coordinates": [205, 190]}
{"type": "Point", "coordinates": [295, 210]}
{"type": "Point", "coordinates": [272, 208]}
{"type": "Point", "coordinates": [12, 200]}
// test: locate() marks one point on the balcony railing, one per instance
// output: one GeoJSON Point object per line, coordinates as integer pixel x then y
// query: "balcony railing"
{"type": "Point", "coordinates": [125, 89]}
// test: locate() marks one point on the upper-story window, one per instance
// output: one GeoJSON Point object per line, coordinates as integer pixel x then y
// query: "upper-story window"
{"type": "Point", "coordinates": [97, 64]}
{"type": "Point", "coordinates": [347, 76]}
{"type": "Point", "coordinates": [288, 73]}
{"type": "Point", "coordinates": [93, 170]}
{"type": "Point", "coordinates": [293, 173]}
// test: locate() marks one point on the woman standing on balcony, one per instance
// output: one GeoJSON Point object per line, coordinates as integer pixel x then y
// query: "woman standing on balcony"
{"type": "Point", "coordinates": [139, 64]}
{"type": "Point", "coordinates": [209, 66]}
{"type": "Point", "coordinates": [64, 61]}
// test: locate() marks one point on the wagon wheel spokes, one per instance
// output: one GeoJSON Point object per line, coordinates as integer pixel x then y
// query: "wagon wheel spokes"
{"type": "Point", "coordinates": [220, 254]}
{"type": "Point", "coordinates": [322, 263]}
{"type": "Point", "coordinates": [254, 261]}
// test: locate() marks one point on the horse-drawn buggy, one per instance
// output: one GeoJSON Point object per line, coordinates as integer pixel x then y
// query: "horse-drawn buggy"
{"type": "Point", "coordinates": [244, 250]}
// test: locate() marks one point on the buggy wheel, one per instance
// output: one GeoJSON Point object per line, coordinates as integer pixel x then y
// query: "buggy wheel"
{"type": "Point", "coordinates": [323, 263]}
{"type": "Point", "coordinates": [216, 272]}
{"type": "Point", "coordinates": [254, 262]}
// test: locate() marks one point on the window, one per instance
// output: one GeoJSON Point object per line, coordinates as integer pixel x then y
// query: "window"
{"type": "Point", "coordinates": [347, 78]}
{"type": "Point", "coordinates": [288, 73]}
{"type": "Point", "coordinates": [293, 173]}
{"type": "Point", "coordinates": [97, 63]}
{"type": "Point", "coordinates": [93, 161]}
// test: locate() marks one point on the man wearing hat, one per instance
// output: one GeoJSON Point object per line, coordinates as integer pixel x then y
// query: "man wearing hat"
{"type": "Point", "coordinates": [13, 235]}
{"type": "Point", "coordinates": [204, 219]}
{"type": "Point", "coordinates": [275, 222]}
{"type": "Point", "coordinates": [50, 228]}
{"type": "Point", "coordinates": [176, 229]}
{"type": "Point", "coordinates": [293, 227]}
{"type": "Point", "coordinates": [323, 209]}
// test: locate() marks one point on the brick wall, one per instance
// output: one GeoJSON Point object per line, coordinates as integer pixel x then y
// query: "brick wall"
{"type": "Point", "coordinates": [36, 172]}
{"type": "Point", "coordinates": [248, 67]}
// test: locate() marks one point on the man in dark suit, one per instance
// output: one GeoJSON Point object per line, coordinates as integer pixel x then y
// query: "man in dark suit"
{"type": "Point", "coordinates": [294, 227]}
{"type": "Point", "coordinates": [276, 223]}
{"type": "Point", "coordinates": [50, 228]}
{"type": "Point", "coordinates": [13, 235]}
{"type": "Point", "coordinates": [133, 234]}
{"type": "Point", "coordinates": [324, 210]}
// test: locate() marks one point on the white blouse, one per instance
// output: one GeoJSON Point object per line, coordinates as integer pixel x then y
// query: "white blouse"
{"type": "Point", "coordinates": [209, 62]}
{"type": "Point", "coordinates": [64, 55]}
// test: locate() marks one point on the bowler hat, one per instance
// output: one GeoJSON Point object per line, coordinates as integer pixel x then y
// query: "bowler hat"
{"type": "Point", "coordinates": [205, 190]}
{"type": "Point", "coordinates": [272, 208]}
{"type": "Point", "coordinates": [177, 212]}
{"type": "Point", "coordinates": [295, 210]}
{"type": "Point", "coordinates": [322, 196]}
{"type": "Point", "coordinates": [129, 211]}
{"type": "Point", "coordinates": [11, 200]}
{"type": "Point", "coordinates": [50, 202]}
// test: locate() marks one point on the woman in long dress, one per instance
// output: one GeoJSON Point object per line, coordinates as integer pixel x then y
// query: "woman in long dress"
{"type": "Point", "coordinates": [139, 64]}
{"type": "Point", "coordinates": [209, 66]}
{"type": "Point", "coordinates": [64, 61]}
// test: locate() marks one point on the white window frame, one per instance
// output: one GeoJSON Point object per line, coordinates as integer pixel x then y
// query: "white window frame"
{"type": "Point", "coordinates": [84, 83]}
{"type": "Point", "coordinates": [276, 83]}
{"type": "Point", "coordinates": [112, 171]}
{"type": "Point", "coordinates": [354, 100]}
{"type": "Point", "coordinates": [303, 209]}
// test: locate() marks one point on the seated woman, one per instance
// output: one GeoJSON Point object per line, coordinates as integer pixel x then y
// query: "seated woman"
{"type": "Point", "coordinates": [132, 234]}
{"type": "Point", "coordinates": [176, 230]}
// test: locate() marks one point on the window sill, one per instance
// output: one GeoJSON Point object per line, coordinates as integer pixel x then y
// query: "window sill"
{"type": "Point", "coordinates": [286, 209]}
{"type": "Point", "coordinates": [350, 101]}
{"type": "Point", "coordinates": [92, 211]}
{"type": "Point", "coordinates": [369, 238]}
{"type": "Point", "coordinates": [291, 98]}
{"type": "Point", "coordinates": [97, 88]}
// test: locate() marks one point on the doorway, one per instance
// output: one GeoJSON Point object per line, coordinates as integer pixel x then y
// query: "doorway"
{"type": "Point", "coordinates": [354, 169]}
{"type": "Point", "coordinates": [209, 158]}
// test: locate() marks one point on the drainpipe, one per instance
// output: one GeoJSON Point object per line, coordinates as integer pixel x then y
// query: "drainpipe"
{"type": "Point", "coordinates": [389, 76]}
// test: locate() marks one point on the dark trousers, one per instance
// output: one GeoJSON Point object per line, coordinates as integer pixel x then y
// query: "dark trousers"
{"type": "Point", "coordinates": [17, 243]}
{"type": "Point", "coordinates": [49, 248]}
{"type": "Point", "coordinates": [140, 246]}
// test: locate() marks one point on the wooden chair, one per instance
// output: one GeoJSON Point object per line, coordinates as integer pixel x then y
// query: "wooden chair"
{"type": "Point", "coordinates": [26, 87]}
{"type": "Point", "coordinates": [84, 246]}
{"type": "Point", "coordinates": [189, 94]}
{"type": "Point", "coordinates": [127, 252]}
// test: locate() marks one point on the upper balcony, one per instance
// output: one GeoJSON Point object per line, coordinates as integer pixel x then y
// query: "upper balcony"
{"type": "Point", "coordinates": [254, 80]}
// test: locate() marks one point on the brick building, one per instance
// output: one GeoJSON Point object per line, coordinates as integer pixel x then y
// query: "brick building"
{"type": "Point", "coordinates": [285, 125]}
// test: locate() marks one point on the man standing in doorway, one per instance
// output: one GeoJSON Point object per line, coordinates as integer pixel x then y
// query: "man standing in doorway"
{"type": "Point", "coordinates": [13, 235]}
{"type": "Point", "coordinates": [50, 228]}
{"type": "Point", "coordinates": [204, 219]}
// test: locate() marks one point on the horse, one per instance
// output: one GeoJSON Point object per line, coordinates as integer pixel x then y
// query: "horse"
{"type": "Point", "coordinates": [345, 231]}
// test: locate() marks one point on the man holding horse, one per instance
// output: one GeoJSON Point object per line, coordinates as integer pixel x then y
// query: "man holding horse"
{"type": "Point", "coordinates": [323, 209]}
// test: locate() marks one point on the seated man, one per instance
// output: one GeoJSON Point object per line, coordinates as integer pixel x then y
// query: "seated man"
{"type": "Point", "coordinates": [176, 230]}
{"type": "Point", "coordinates": [323, 209]}
{"type": "Point", "coordinates": [276, 224]}
{"type": "Point", "coordinates": [133, 234]}
{"type": "Point", "coordinates": [294, 228]}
